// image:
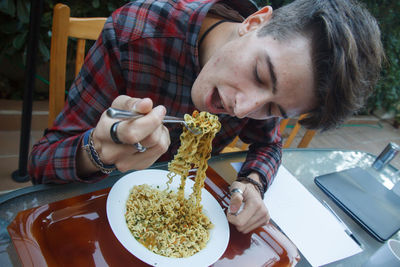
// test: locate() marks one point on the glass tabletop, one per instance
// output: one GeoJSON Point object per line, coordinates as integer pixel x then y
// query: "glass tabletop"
{"type": "Point", "coordinates": [304, 164]}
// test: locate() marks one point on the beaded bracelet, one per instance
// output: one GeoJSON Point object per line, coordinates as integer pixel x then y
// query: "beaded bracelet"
{"type": "Point", "coordinates": [255, 183]}
{"type": "Point", "coordinates": [88, 146]}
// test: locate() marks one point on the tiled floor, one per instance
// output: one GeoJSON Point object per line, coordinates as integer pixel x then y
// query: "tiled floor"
{"type": "Point", "coordinates": [9, 159]}
{"type": "Point", "coordinates": [10, 121]}
{"type": "Point", "coordinates": [371, 137]}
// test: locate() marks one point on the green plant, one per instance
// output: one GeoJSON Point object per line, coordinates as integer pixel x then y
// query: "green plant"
{"type": "Point", "coordinates": [387, 93]}
{"type": "Point", "coordinates": [274, 3]}
{"type": "Point", "coordinates": [14, 18]}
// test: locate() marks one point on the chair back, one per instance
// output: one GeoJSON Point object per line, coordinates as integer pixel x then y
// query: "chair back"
{"type": "Point", "coordinates": [235, 145]}
{"type": "Point", "coordinates": [65, 27]}
{"type": "Point", "coordinates": [306, 138]}
{"type": "Point", "coordinates": [238, 145]}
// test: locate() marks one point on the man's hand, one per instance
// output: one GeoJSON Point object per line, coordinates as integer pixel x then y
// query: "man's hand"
{"type": "Point", "coordinates": [148, 130]}
{"type": "Point", "coordinates": [254, 213]}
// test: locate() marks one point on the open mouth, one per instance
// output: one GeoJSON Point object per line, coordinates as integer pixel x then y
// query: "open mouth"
{"type": "Point", "coordinates": [216, 103]}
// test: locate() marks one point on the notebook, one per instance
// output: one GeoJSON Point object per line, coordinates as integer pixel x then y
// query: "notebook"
{"type": "Point", "coordinates": [362, 197]}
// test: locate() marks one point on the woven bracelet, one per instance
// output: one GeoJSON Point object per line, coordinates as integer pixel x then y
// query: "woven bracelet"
{"type": "Point", "coordinates": [255, 183]}
{"type": "Point", "coordinates": [88, 146]}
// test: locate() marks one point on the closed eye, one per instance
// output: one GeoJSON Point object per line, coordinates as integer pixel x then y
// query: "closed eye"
{"type": "Point", "coordinates": [257, 75]}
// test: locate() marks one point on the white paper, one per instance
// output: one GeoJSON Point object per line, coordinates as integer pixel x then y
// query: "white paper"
{"type": "Point", "coordinates": [308, 224]}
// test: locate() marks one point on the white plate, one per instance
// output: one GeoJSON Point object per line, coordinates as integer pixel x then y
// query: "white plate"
{"type": "Point", "coordinates": [116, 207]}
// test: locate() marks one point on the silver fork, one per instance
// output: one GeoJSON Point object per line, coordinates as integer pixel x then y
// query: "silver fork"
{"type": "Point", "coordinates": [124, 114]}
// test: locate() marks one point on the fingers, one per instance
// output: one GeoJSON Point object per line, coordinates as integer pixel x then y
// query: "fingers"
{"type": "Point", "coordinates": [259, 216]}
{"type": "Point", "coordinates": [254, 213]}
{"type": "Point", "coordinates": [123, 155]}
{"type": "Point", "coordinates": [134, 131]}
{"type": "Point", "coordinates": [147, 130]}
{"type": "Point", "coordinates": [139, 161]}
{"type": "Point", "coordinates": [139, 105]}
{"type": "Point", "coordinates": [143, 106]}
{"type": "Point", "coordinates": [236, 200]}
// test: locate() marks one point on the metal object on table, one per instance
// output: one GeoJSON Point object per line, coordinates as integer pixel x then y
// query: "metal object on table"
{"type": "Point", "coordinates": [124, 114]}
{"type": "Point", "coordinates": [390, 151]}
{"type": "Point", "coordinates": [346, 229]}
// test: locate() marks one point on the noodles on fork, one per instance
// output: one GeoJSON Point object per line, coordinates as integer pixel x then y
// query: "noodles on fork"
{"type": "Point", "coordinates": [194, 152]}
{"type": "Point", "coordinates": [165, 221]}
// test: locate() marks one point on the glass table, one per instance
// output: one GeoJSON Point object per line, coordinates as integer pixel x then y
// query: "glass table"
{"type": "Point", "coordinates": [304, 164]}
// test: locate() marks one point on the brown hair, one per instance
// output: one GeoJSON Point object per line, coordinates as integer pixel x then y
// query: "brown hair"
{"type": "Point", "coordinates": [347, 53]}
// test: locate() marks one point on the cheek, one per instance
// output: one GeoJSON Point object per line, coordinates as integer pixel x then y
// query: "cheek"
{"type": "Point", "coordinates": [228, 56]}
{"type": "Point", "coordinates": [234, 69]}
{"type": "Point", "coordinates": [237, 70]}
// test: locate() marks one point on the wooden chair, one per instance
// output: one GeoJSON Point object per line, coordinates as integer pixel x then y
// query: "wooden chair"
{"type": "Point", "coordinates": [237, 145]}
{"type": "Point", "coordinates": [65, 27]}
{"type": "Point", "coordinates": [305, 140]}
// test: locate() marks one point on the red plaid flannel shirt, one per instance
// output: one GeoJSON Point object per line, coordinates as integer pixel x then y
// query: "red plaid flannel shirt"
{"type": "Point", "coordinates": [148, 48]}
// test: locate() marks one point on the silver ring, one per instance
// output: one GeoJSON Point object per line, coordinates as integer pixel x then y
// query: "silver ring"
{"type": "Point", "coordinates": [139, 147]}
{"type": "Point", "coordinates": [236, 190]}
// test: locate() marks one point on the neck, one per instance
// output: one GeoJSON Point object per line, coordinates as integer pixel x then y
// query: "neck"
{"type": "Point", "coordinates": [214, 38]}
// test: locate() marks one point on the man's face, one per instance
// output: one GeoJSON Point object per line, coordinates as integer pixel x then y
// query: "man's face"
{"type": "Point", "coordinates": [258, 78]}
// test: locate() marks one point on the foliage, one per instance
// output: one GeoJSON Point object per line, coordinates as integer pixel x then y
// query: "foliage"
{"type": "Point", "coordinates": [387, 93]}
{"type": "Point", "coordinates": [14, 18]}
{"type": "Point", "coordinates": [274, 3]}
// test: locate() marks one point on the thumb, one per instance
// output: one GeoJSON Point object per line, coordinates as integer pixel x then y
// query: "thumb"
{"type": "Point", "coordinates": [236, 203]}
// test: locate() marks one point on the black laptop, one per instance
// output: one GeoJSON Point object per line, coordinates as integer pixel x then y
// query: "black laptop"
{"type": "Point", "coordinates": [368, 202]}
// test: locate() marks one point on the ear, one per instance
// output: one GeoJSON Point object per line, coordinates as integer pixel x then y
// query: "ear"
{"type": "Point", "coordinates": [256, 19]}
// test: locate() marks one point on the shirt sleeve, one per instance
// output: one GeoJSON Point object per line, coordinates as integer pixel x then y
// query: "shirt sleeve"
{"type": "Point", "coordinates": [100, 81]}
{"type": "Point", "coordinates": [265, 151]}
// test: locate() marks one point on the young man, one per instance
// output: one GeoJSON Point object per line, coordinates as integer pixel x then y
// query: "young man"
{"type": "Point", "coordinates": [252, 67]}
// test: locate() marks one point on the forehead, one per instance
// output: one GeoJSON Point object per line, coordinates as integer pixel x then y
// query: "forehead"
{"type": "Point", "coordinates": [292, 62]}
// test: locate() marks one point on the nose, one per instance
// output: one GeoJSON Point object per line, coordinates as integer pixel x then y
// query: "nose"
{"type": "Point", "coordinates": [242, 108]}
{"type": "Point", "coordinates": [249, 106]}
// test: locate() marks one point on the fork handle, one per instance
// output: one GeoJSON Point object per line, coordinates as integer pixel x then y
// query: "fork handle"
{"type": "Point", "coordinates": [124, 114]}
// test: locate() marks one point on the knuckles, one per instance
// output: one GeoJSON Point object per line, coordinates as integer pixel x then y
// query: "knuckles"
{"type": "Point", "coordinates": [131, 139]}
{"type": "Point", "coordinates": [240, 225]}
{"type": "Point", "coordinates": [162, 147]}
{"type": "Point", "coordinates": [259, 205]}
{"type": "Point", "coordinates": [123, 102]}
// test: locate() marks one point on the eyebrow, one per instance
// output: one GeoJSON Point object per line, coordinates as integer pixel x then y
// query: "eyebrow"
{"type": "Point", "coordinates": [272, 74]}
